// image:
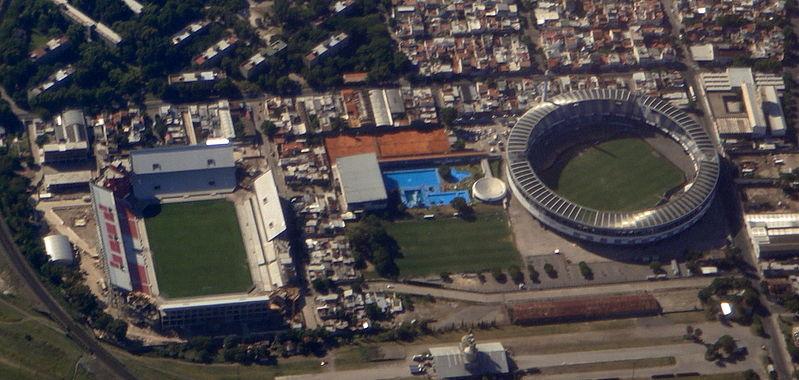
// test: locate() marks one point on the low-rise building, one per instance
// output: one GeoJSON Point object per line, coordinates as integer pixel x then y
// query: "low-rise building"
{"type": "Point", "coordinates": [69, 141]}
{"type": "Point", "coordinates": [254, 66]}
{"type": "Point", "coordinates": [361, 181]}
{"type": "Point", "coordinates": [56, 80]}
{"type": "Point", "coordinates": [773, 235]}
{"type": "Point", "coordinates": [187, 33]}
{"type": "Point", "coordinates": [215, 53]}
{"type": "Point", "coordinates": [202, 77]}
{"type": "Point", "coordinates": [327, 48]}
{"type": "Point", "coordinates": [470, 359]}
{"type": "Point", "coordinates": [50, 51]}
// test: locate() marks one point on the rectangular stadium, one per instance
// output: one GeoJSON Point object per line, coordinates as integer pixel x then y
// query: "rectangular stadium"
{"type": "Point", "coordinates": [200, 248]}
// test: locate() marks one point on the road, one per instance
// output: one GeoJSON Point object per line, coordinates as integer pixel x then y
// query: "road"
{"type": "Point", "coordinates": [30, 280]}
{"type": "Point", "coordinates": [689, 356]}
{"type": "Point", "coordinates": [536, 295]}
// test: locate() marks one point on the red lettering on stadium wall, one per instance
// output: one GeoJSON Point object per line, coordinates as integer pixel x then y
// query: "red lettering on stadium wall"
{"type": "Point", "coordinates": [113, 240]}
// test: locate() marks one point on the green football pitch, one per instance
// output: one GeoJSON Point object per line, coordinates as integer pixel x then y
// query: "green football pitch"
{"type": "Point", "coordinates": [619, 175]}
{"type": "Point", "coordinates": [198, 249]}
{"type": "Point", "coordinates": [454, 245]}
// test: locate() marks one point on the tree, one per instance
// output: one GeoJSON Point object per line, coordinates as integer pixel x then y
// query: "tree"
{"type": "Point", "coordinates": [550, 270]}
{"type": "Point", "coordinates": [269, 128]}
{"type": "Point", "coordinates": [534, 275]}
{"type": "Point", "coordinates": [656, 266]}
{"type": "Point", "coordinates": [445, 171]}
{"type": "Point", "coordinates": [498, 275]}
{"type": "Point", "coordinates": [448, 116]}
{"type": "Point", "coordinates": [320, 285]}
{"type": "Point", "coordinates": [464, 210]}
{"type": "Point", "coordinates": [338, 125]}
{"type": "Point", "coordinates": [445, 276]}
{"type": "Point", "coordinates": [118, 329]}
{"type": "Point", "coordinates": [585, 270]}
{"type": "Point", "coordinates": [458, 145]}
{"type": "Point", "coordinates": [516, 274]}
{"type": "Point", "coordinates": [727, 344]}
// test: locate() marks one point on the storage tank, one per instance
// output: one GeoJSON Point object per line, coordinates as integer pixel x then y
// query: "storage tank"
{"type": "Point", "coordinates": [58, 249]}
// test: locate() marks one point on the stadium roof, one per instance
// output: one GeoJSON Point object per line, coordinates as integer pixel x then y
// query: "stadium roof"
{"type": "Point", "coordinates": [212, 301]}
{"type": "Point", "coordinates": [361, 179]}
{"type": "Point", "coordinates": [450, 362]}
{"type": "Point", "coordinates": [182, 158]}
{"type": "Point", "coordinates": [650, 110]}
{"type": "Point", "coordinates": [269, 205]}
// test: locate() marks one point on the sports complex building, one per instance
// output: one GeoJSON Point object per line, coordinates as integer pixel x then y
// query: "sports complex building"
{"type": "Point", "coordinates": [203, 251]}
{"type": "Point", "coordinates": [588, 117]}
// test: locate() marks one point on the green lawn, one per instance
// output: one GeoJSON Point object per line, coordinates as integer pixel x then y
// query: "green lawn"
{"type": "Point", "coordinates": [198, 250]}
{"type": "Point", "coordinates": [32, 348]}
{"type": "Point", "coordinates": [454, 245]}
{"type": "Point", "coordinates": [623, 175]}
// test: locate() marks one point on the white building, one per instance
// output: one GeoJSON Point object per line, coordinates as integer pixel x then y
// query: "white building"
{"type": "Point", "coordinates": [773, 235]}
{"type": "Point", "coordinates": [58, 249]}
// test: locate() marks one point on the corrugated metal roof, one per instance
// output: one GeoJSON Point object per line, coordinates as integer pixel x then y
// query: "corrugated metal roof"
{"type": "Point", "coordinates": [361, 179]}
{"type": "Point", "coordinates": [450, 362]}
{"type": "Point", "coordinates": [180, 159]}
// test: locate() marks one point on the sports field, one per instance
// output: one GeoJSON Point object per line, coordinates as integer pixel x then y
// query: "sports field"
{"type": "Point", "coordinates": [454, 245]}
{"type": "Point", "coordinates": [198, 249]}
{"type": "Point", "coordinates": [621, 175]}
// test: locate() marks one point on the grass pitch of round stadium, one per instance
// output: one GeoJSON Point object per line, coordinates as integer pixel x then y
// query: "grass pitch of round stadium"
{"type": "Point", "coordinates": [198, 249]}
{"type": "Point", "coordinates": [618, 175]}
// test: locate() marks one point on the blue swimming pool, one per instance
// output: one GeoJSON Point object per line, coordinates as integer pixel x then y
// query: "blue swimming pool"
{"type": "Point", "coordinates": [422, 187]}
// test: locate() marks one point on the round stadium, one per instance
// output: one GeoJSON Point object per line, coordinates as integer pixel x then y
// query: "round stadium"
{"type": "Point", "coordinates": [612, 167]}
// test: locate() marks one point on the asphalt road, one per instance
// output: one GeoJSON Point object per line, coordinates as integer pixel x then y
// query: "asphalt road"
{"type": "Point", "coordinates": [537, 295]}
{"type": "Point", "coordinates": [30, 279]}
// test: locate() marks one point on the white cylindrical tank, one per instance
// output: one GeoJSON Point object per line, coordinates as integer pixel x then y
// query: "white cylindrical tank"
{"type": "Point", "coordinates": [58, 249]}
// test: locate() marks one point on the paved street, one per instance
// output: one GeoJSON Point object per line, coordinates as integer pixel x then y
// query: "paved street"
{"type": "Point", "coordinates": [527, 353]}
{"type": "Point", "coordinates": [535, 295]}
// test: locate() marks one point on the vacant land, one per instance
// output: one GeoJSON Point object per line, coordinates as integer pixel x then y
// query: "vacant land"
{"type": "Point", "coordinates": [198, 249]}
{"type": "Point", "coordinates": [454, 245]}
{"type": "Point", "coordinates": [620, 175]}
{"type": "Point", "coordinates": [32, 347]}
{"type": "Point", "coordinates": [147, 368]}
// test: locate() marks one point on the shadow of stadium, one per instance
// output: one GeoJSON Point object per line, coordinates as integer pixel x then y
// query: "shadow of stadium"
{"type": "Point", "coordinates": [708, 233]}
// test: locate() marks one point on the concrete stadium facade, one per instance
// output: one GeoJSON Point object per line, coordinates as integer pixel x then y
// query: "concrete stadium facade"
{"type": "Point", "coordinates": [576, 112]}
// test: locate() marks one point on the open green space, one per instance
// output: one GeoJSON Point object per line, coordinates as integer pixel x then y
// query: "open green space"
{"type": "Point", "coordinates": [147, 368]}
{"type": "Point", "coordinates": [453, 244]}
{"type": "Point", "coordinates": [31, 347]}
{"type": "Point", "coordinates": [198, 249]}
{"type": "Point", "coordinates": [620, 175]}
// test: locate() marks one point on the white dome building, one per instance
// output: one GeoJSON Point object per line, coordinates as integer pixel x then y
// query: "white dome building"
{"type": "Point", "coordinates": [489, 189]}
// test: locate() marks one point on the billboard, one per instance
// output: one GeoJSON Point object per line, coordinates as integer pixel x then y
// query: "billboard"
{"type": "Point", "coordinates": [113, 249]}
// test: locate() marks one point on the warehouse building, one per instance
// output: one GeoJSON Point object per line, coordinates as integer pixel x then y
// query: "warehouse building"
{"type": "Point", "coordinates": [773, 235]}
{"type": "Point", "coordinates": [181, 171]}
{"type": "Point", "coordinates": [58, 249]}
{"type": "Point", "coordinates": [70, 141]}
{"type": "Point", "coordinates": [469, 359]}
{"type": "Point", "coordinates": [361, 181]}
